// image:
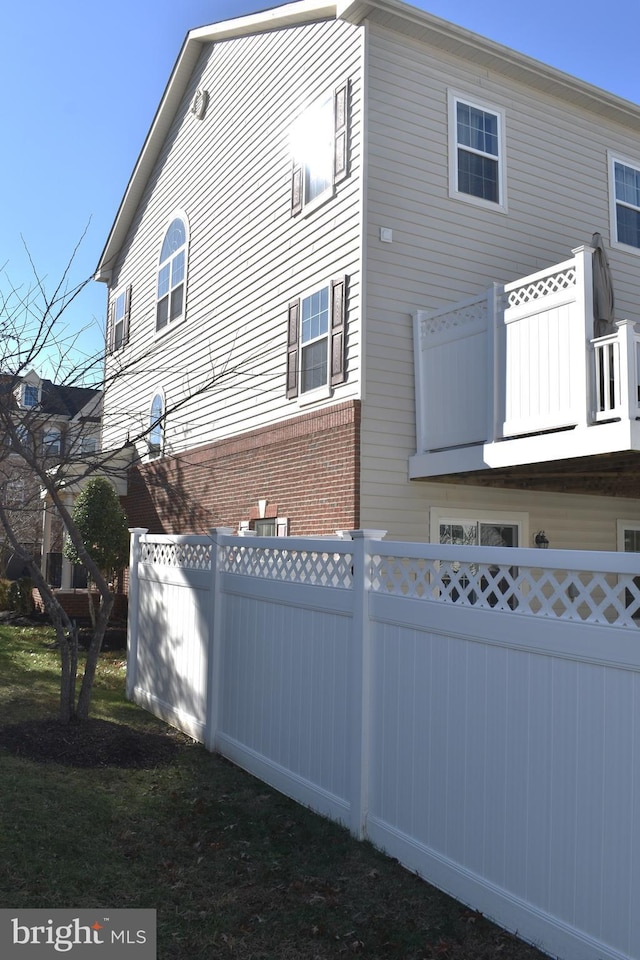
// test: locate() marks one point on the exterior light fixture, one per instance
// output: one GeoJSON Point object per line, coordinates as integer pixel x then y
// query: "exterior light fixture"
{"type": "Point", "coordinates": [541, 541]}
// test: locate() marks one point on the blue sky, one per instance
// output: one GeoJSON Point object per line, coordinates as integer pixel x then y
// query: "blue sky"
{"type": "Point", "coordinates": [81, 83]}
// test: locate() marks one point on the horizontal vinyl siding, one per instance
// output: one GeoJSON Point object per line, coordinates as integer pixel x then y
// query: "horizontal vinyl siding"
{"type": "Point", "coordinates": [248, 258]}
{"type": "Point", "coordinates": [446, 250]}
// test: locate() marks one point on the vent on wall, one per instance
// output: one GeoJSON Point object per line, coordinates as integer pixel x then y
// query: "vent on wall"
{"type": "Point", "coordinates": [199, 103]}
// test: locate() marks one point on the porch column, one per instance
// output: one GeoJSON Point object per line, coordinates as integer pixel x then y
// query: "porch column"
{"type": "Point", "coordinates": [584, 318]}
{"type": "Point", "coordinates": [46, 536]}
{"type": "Point", "coordinates": [66, 576]}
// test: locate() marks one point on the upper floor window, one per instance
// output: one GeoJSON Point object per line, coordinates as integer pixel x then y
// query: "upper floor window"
{"type": "Point", "coordinates": [118, 334]}
{"type": "Point", "coordinates": [476, 153]}
{"type": "Point", "coordinates": [319, 146]}
{"type": "Point", "coordinates": [30, 395]}
{"type": "Point", "coordinates": [172, 273]}
{"type": "Point", "coordinates": [52, 441]}
{"type": "Point", "coordinates": [625, 193]}
{"type": "Point", "coordinates": [316, 340]}
{"type": "Point", "coordinates": [156, 430]}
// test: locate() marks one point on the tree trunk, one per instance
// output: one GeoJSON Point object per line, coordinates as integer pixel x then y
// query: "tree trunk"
{"type": "Point", "coordinates": [99, 630]}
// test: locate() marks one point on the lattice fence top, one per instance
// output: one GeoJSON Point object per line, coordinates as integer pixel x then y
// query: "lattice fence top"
{"type": "Point", "coordinates": [290, 566]}
{"type": "Point", "coordinates": [585, 596]}
{"type": "Point", "coordinates": [458, 316]}
{"type": "Point", "coordinates": [542, 287]}
{"type": "Point", "coordinates": [191, 556]}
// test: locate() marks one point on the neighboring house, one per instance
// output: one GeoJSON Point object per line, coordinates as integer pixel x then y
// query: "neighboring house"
{"type": "Point", "coordinates": [325, 185]}
{"type": "Point", "coordinates": [60, 423]}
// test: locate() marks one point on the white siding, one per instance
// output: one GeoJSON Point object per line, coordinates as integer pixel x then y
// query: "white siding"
{"type": "Point", "coordinates": [446, 250]}
{"type": "Point", "coordinates": [248, 258]}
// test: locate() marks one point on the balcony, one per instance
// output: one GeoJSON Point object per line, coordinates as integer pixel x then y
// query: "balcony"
{"type": "Point", "coordinates": [513, 384]}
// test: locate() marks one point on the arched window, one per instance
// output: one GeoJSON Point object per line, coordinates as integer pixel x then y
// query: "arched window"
{"type": "Point", "coordinates": [172, 271]}
{"type": "Point", "coordinates": [156, 426]}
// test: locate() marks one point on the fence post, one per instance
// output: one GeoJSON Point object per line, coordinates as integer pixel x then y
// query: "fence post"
{"type": "Point", "coordinates": [216, 640]}
{"type": "Point", "coordinates": [360, 680]}
{"type": "Point", "coordinates": [133, 614]}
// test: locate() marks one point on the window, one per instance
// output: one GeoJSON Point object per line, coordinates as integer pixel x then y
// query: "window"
{"type": "Point", "coordinates": [476, 153]}
{"type": "Point", "coordinates": [471, 528]}
{"type": "Point", "coordinates": [52, 441]}
{"type": "Point", "coordinates": [15, 493]}
{"type": "Point", "coordinates": [269, 527]}
{"type": "Point", "coordinates": [628, 540]}
{"type": "Point", "coordinates": [171, 275]}
{"type": "Point", "coordinates": [625, 193]}
{"type": "Point", "coordinates": [478, 533]}
{"type": "Point", "coordinates": [30, 395]}
{"type": "Point", "coordinates": [156, 430]}
{"type": "Point", "coordinates": [118, 333]}
{"type": "Point", "coordinates": [316, 340]}
{"type": "Point", "coordinates": [319, 149]}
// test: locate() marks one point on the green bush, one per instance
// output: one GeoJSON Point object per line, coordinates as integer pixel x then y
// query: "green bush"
{"type": "Point", "coordinates": [21, 596]}
{"type": "Point", "coordinates": [5, 601]}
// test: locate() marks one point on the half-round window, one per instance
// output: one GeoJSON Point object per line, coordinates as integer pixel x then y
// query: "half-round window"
{"type": "Point", "coordinates": [172, 273]}
{"type": "Point", "coordinates": [156, 426]}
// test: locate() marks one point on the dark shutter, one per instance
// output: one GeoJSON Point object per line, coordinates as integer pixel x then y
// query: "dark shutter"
{"type": "Point", "coordinates": [341, 127]}
{"type": "Point", "coordinates": [111, 327]}
{"type": "Point", "coordinates": [127, 316]}
{"type": "Point", "coordinates": [338, 328]}
{"type": "Point", "coordinates": [293, 336]}
{"type": "Point", "coordinates": [296, 189]}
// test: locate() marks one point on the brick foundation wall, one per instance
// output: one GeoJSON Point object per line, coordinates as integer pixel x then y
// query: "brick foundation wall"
{"type": "Point", "coordinates": [306, 468]}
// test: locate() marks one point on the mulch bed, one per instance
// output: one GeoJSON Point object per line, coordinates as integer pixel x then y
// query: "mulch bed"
{"type": "Point", "coordinates": [90, 743]}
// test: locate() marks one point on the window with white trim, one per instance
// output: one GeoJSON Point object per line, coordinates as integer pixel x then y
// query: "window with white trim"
{"type": "Point", "coordinates": [476, 153]}
{"type": "Point", "coordinates": [30, 395]}
{"type": "Point", "coordinates": [316, 340]}
{"type": "Point", "coordinates": [478, 528]}
{"type": "Point", "coordinates": [172, 272]}
{"type": "Point", "coordinates": [156, 426]}
{"type": "Point", "coordinates": [319, 149]}
{"type": "Point", "coordinates": [52, 441]}
{"type": "Point", "coordinates": [625, 202]}
{"type": "Point", "coordinates": [119, 314]}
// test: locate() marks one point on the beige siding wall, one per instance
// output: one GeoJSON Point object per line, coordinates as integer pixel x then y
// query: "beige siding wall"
{"type": "Point", "coordinates": [230, 174]}
{"type": "Point", "coordinates": [445, 250]}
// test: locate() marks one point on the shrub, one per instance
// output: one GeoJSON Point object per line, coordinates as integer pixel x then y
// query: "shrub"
{"type": "Point", "coordinates": [5, 601]}
{"type": "Point", "coordinates": [21, 596]}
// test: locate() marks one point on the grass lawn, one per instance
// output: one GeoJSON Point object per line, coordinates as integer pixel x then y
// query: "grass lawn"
{"type": "Point", "coordinates": [233, 868]}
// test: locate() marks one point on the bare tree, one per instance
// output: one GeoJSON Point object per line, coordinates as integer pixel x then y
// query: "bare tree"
{"type": "Point", "coordinates": [34, 333]}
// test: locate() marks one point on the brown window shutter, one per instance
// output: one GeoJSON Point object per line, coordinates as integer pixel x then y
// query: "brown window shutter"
{"type": "Point", "coordinates": [296, 189]}
{"type": "Point", "coordinates": [293, 339]}
{"type": "Point", "coordinates": [341, 129]}
{"type": "Point", "coordinates": [111, 329]}
{"type": "Point", "coordinates": [338, 328]}
{"type": "Point", "coordinates": [127, 316]}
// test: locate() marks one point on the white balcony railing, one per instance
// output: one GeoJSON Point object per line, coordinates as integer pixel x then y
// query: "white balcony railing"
{"type": "Point", "coordinates": [524, 361]}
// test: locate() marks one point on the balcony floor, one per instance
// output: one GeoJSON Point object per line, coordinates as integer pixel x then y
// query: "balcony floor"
{"type": "Point", "coordinates": [608, 474]}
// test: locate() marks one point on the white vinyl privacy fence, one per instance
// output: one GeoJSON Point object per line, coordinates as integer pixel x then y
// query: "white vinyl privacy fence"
{"type": "Point", "coordinates": [474, 711]}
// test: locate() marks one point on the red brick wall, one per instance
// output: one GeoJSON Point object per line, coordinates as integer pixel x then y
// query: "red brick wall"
{"type": "Point", "coordinates": [306, 468]}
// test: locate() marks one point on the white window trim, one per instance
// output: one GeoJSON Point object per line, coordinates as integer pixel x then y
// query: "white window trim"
{"type": "Point", "coordinates": [246, 528]}
{"type": "Point", "coordinates": [455, 97]}
{"type": "Point", "coordinates": [325, 390]}
{"type": "Point", "coordinates": [172, 324]}
{"type": "Point", "coordinates": [612, 159]}
{"type": "Point", "coordinates": [439, 515]}
{"type": "Point", "coordinates": [159, 391]}
{"type": "Point", "coordinates": [621, 526]}
{"type": "Point", "coordinates": [121, 291]}
{"type": "Point", "coordinates": [23, 392]}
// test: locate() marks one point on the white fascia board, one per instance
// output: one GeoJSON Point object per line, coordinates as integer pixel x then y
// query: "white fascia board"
{"type": "Point", "coordinates": [617, 437]}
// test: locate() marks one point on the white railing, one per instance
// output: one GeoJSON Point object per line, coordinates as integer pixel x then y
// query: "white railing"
{"type": "Point", "coordinates": [617, 373]}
